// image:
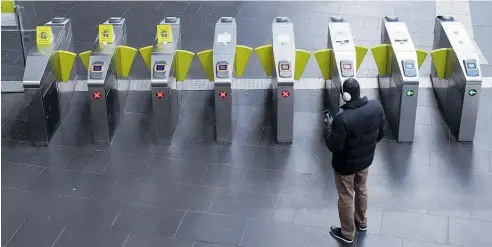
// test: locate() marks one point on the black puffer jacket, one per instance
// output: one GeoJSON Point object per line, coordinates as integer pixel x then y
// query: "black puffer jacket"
{"type": "Point", "coordinates": [353, 135]}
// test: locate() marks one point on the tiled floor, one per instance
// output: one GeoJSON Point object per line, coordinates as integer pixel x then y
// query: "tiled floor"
{"type": "Point", "coordinates": [253, 193]}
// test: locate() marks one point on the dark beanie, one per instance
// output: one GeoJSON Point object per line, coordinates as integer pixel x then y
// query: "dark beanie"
{"type": "Point", "coordinates": [352, 87]}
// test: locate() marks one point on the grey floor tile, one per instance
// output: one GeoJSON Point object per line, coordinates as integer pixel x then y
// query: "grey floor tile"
{"type": "Point", "coordinates": [137, 219]}
{"type": "Point", "coordinates": [74, 183]}
{"type": "Point", "coordinates": [87, 213]}
{"type": "Point", "coordinates": [135, 123]}
{"type": "Point", "coordinates": [10, 226]}
{"type": "Point", "coordinates": [417, 226]}
{"type": "Point", "coordinates": [243, 204]}
{"type": "Point", "coordinates": [366, 240]}
{"type": "Point", "coordinates": [169, 223]}
{"type": "Point", "coordinates": [212, 152]}
{"type": "Point", "coordinates": [127, 165]}
{"type": "Point", "coordinates": [73, 237]}
{"type": "Point", "coordinates": [285, 209]}
{"type": "Point", "coordinates": [10, 127]}
{"type": "Point", "coordinates": [18, 152]}
{"type": "Point", "coordinates": [99, 162]}
{"type": "Point", "coordinates": [37, 233]}
{"type": "Point", "coordinates": [274, 159]}
{"type": "Point", "coordinates": [462, 159]}
{"type": "Point", "coordinates": [414, 243]}
{"type": "Point", "coordinates": [262, 233]}
{"type": "Point", "coordinates": [287, 184]}
{"type": "Point", "coordinates": [159, 193]}
{"type": "Point", "coordinates": [224, 176]}
{"type": "Point", "coordinates": [28, 204]}
{"type": "Point", "coordinates": [211, 228]}
{"type": "Point", "coordinates": [126, 142]}
{"type": "Point", "coordinates": [247, 135]}
{"type": "Point", "coordinates": [162, 241]}
{"type": "Point", "coordinates": [81, 160]}
{"type": "Point", "coordinates": [462, 231]}
{"type": "Point", "coordinates": [18, 176]}
{"type": "Point", "coordinates": [54, 156]}
{"type": "Point", "coordinates": [178, 171]}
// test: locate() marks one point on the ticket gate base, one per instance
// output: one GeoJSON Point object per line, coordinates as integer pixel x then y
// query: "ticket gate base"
{"type": "Point", "coordinates": [43, 111]}
{"type": "Point", "coordinates": [106, 110]}
{"type": "Point", "coordinates": [166, 104]}
{"type": "Point", "coordinates": [284, 113]}
{"type": "Point", "coordinates": [452, 97]}
{"type": "Point", "coordinates": [400, 104]}
{"type": "Point", "coordinates": [224, 128]}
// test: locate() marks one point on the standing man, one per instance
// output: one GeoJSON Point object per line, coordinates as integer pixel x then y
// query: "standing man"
{"type": "Point", "coordinates": [352, 136]}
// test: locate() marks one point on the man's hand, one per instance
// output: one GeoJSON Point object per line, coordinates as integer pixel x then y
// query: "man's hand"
{"type": "Point", "coordinates": [327, 119]}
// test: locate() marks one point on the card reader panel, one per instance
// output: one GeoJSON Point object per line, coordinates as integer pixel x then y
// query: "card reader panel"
{"type": "Point", "coordinates": [409, 68]}
{"type": "Point", "coordinates": [471, 67]}
{"type": "Point", "coordinates": [284, 69]}
{"type": "Point", "coordinates": [347, 68]}
{"type": "Point", "coordinates": [160, 69]}
{"type": "Point", "coordinates": [96, 71]}
{"type": "Point", "coordinates": [222, 69]}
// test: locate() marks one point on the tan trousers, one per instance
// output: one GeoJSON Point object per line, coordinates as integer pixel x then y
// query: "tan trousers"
{"type": "Point", "coordinates": [352, 201]}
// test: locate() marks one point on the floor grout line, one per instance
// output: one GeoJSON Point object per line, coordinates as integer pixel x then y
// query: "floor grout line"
{"type": "Point", "coordinates": [62, 231]}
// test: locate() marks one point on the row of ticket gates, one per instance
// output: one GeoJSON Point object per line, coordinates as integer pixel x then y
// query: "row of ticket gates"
{"type": "Point", "coordinates": [455, 75]}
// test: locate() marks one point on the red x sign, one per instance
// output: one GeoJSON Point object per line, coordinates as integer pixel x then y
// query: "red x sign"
{"type": "Point", "coordinates": [222, 95]}
{"type": "Point", "coordinates": [96, 95]}
{"type": "Point", "coordinates": [159, 95]}
{"type": "Point", "coordinates": [285, 94]}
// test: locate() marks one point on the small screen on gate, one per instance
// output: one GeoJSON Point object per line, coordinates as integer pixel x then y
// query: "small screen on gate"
{"type": "Point", "coordinates": [160, 67]}
{"type": "Point", "coordinates": [222, 67]}
{"type": "Point", "coordinates": [284, 67]}
{"type": "Point", "coordinates": [97, 68]}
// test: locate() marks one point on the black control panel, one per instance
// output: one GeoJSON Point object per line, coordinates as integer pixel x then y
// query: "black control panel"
{"type": "Point", "coordinates": [409, 68]}
{"type": "Point", "coordinates": [282, 20]}
{"type": "Point", "coordinates": [222, 69]}
{"type": "Point", "coordinates": [336, 19]}
{"type": "Point", "coordinates": [445, 18]}
{"type": "Point", "coordinates": [391, 18]}
{"type": "Point", "coordinates": [160, 70]}
{"type": "Point", "coordinates": [226, 19]}
{"type": "Point", "coordinates": [170, 19]}
{"type": "Point", "coordinates": [96, 70]}
{"type": "Point", "coordinates": [471, 67]}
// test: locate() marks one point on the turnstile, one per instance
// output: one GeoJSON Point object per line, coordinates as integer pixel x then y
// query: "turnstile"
{"type": "Point", "coordinates": [48, 65]}
{"type": "Point", "coordinates": [166, 100]}
{"type": "Point", "coordinates": [398, 64]}
{"type": "Point", "coordinates": [106, 95]}
{"type": "Point", "coordinates": [343, 62]}
{"type": "Point", "coordinates": [456, 77]}
{"type": "Point", "coordinates": [284, 55]}
{"type": "Point", "coordinates": [224, 51]}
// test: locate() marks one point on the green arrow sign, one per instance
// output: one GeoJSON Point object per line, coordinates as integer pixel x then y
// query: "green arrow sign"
{"type": "Point", "coordinates": [410, 93]}
{"type": "Point", "coordinates": [472, 92]}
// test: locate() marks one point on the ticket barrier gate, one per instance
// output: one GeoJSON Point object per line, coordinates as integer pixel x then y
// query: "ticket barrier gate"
{"type": "Point", "coordinates": [285, 64]}
{"type": "Point", "coordinates": [49, 79]}
{"type": "Point", "coordinates": [340, 61]}
{"type": "Point", "coordinates": [167, 66]}
{"type": "Point", "coordinates": [107, 62]}
{"type": "Point", "coordinates": [398, 65]}
{"type": "Point", "coordinates": [222, 64]}
{"type": "Point", "coordinates": [456, 77]}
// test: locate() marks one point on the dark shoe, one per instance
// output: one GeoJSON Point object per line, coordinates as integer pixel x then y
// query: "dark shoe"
{"type": "Point", "coordinates": [336, 232]}
{"type": "Point", "coordinates": [360, 228]}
